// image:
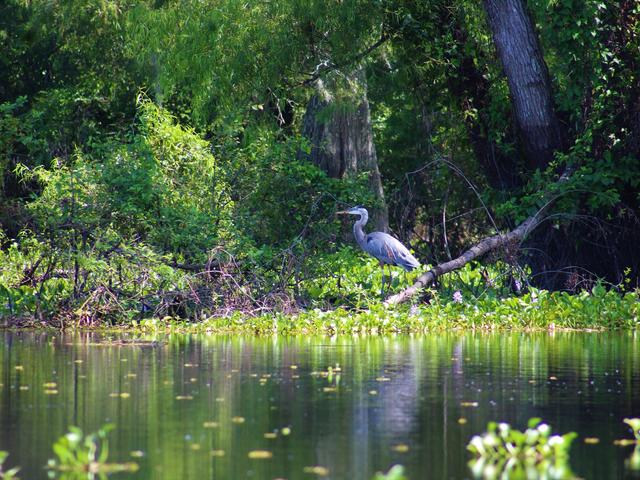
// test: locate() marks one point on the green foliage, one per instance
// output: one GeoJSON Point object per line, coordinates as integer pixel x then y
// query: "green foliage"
{"type": "Point", "coordinates": [86, 454]}
{"type": "Point", "coordinates": [593, 58]}
{"type": "Point", "coordinates": [538, 310]}
{"type": "Point", "coordinates": [104, 280]}
{"type": "Point", "coordinates": [10, 131]}
{"type": "Point", "coordinates": [634, 424]}
{"type": "Point", "coordinates": [286, 198]}
{"type": "Point", "coordinates": [114, 220]}
{"type": "Point", "coordinates": [633, 462]}
{"type": "Point", "coordinates": [10, 474]}
{"type": "Point", "coordinates": [186, 203]}
{"type": "Point", "coordinates": [395, 473]}
{"type": "Point", "coordinates": [163, 187]}
{"type": "Point", "coordinates": [250, 53]}
{"type": "Point", "coordinates": [104, 193]}
{"type": "Point", "coordinates": [349, 277]}
{"type": "Point", "coordinates": [64, 64]}
{"type": "Point", "coordinates": [18, 295]}
{"type": "Point", "coordinates": [432, 97]}
{"type": "Point", "coordinates": [505, 451]}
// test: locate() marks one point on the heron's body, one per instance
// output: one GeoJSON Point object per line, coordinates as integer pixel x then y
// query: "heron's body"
{"type": "Point", "coordinates": [387, 249]}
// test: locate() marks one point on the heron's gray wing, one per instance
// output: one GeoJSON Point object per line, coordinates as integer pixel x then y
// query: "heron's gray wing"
{"type": "Point", "coordinates": [389, 250]}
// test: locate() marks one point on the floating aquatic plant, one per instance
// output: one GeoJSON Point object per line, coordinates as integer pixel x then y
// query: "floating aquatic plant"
{"type": "Point", "coordinates": [501, 440]}
{"type": "Point", "coordinates": [260, 454]}
{"type": "Point", "coordinates": [332, 374]}
{"type": "Point", "coordinates": [318, 470]}
{"type": "Point", "coordinates": [86, 454]}
{"type": "Point", "coordinates": [531, 454]}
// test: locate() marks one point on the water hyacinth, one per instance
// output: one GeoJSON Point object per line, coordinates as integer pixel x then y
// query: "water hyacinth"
{"type": "Point", "coordinates": [532, 452]}
{"type": "Point", "coordinates": [634, 423]}
{"type": "Point", "coordinates": [457, 296]}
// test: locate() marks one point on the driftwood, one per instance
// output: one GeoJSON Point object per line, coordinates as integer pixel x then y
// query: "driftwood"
{"type": "Point", "coordinates": [488, 244]}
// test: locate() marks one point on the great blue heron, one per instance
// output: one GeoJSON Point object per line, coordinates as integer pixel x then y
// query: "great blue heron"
{"type": "Point", "coordinates": [387, 249]}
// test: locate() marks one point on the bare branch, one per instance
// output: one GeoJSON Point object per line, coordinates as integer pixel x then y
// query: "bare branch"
{"type": "Point", "coordinates": [327, 66]}
{"type": "Point", "coordinates": [486, 245]}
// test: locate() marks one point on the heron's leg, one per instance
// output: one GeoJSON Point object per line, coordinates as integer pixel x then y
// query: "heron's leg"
{"type": "Point", "coordinates": [382, 290]}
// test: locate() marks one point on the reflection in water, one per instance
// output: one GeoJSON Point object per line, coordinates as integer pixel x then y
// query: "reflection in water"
{"type": "Point", "coordinates": [633, 462]}
{"type": "Point", "coordinates": [191, 406]}
{"type": "Point", "coordinates": [490, 469]}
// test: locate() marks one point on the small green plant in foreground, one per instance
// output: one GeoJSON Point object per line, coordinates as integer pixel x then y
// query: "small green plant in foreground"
{"type": "Point", "coordinates": [534, 453]}
{"type": "Point", "coordinates": [10, 474]}
{"type": "Point", "coordinates": [633, 462]}
{"type": "Point", "coordinates": [395, 473]}
{"type": "Point", "coordinates": [634, 423]}
{"type": "Point", "coordinates": [86, 454]}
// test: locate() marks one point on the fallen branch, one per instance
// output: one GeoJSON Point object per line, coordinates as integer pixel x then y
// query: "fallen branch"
{"type": "Point", "coordinates": [486, 245]}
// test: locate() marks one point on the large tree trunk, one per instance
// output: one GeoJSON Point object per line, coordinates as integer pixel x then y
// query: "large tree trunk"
{"type": "Point", "coordinates": [342, 145]}
{"type": "Point", "coordinates": [521, 56]}
{"type": "Point", "coordinates": [540, 132]}
{"type": "Point", "coordinates": [471, 86]}
{"type": "Point", "coordinates": [530, 89]}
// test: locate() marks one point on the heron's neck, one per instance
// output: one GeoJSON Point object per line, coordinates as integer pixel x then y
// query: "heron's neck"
{"type": "Point", "coordinates": [358, 231]}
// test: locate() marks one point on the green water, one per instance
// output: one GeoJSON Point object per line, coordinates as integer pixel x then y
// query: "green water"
{"type": "Point", "coordinates": [184, 396]}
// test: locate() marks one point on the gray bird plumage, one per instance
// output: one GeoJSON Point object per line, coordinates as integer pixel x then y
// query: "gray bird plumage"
{"type": "Point", "coordinates": [387, 249]}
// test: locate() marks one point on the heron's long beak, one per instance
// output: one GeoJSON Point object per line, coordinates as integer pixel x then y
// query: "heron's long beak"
{"type": "Point", "coordinates": [342, 213]}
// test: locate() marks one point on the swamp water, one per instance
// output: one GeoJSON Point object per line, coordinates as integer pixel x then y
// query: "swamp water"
{"type": "Point", "coordinates": [193, 406]}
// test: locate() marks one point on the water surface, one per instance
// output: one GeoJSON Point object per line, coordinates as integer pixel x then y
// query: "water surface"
{"type": "Point", "coordinates": [383, 401]}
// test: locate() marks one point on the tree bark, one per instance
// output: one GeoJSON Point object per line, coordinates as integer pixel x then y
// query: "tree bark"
{"type": "Point", "coordinates": [521, 56]}
{"type": "Point", "coordinates": [342, 145]}
{"type": "Point", "coordinates": [471, 86]}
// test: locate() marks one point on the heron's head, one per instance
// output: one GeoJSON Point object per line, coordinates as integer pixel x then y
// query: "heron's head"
{"type": "Point", "coordinates": [355, 211]}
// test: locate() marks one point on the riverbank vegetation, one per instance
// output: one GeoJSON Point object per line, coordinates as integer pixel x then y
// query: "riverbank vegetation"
{"type": "Point", "coordinates": [185, 160]}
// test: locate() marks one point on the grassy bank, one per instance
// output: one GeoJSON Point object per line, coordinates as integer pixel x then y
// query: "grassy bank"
{"type": "Point", "coordinates": [335, 293]}
{"type": "Point", "coordinates": [538, 310]}
{"type": "Point", "coordinates": [598, 310]}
